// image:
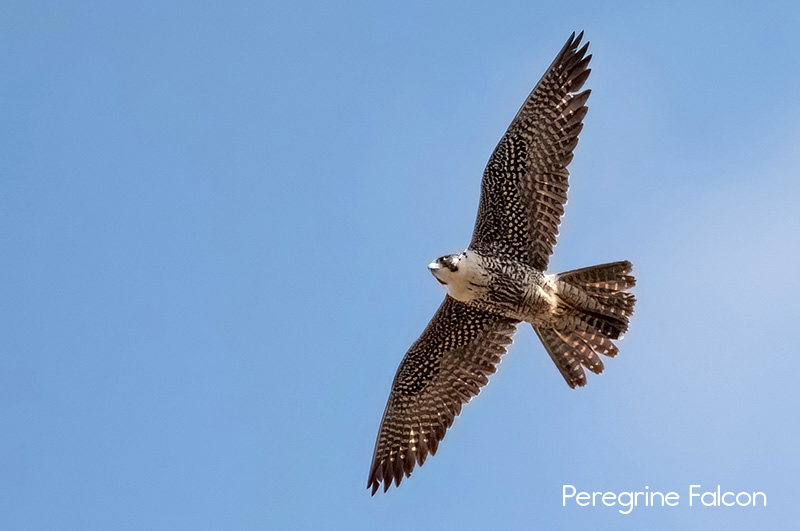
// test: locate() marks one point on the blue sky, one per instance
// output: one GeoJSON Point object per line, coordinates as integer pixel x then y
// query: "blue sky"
{"type": "Point", "coordinates": [215, 221]}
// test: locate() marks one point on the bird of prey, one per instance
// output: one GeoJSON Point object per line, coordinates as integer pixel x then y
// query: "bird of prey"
{"type": "Point", "coordinates": [500, 280]}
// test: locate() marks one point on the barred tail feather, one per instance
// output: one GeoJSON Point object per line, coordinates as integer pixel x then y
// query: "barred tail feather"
{"type": "Point", "coordinates": [595, 310]}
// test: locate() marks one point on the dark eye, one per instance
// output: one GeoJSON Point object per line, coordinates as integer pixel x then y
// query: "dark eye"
{"type": "Point", "coordinates": [451, 265]}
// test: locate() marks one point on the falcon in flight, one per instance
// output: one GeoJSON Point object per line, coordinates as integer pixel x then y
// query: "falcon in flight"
{"type": "Point", "coordinates": [500, 280]}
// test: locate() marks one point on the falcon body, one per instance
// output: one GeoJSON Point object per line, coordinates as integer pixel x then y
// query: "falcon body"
{"type": "Point", "coordinates": [505, 287]}
{"type": "Point", "coordinates": [500, 281]}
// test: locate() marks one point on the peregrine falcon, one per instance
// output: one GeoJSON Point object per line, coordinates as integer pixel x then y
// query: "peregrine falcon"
{"type": "Point", "coordinates": [500, 280]}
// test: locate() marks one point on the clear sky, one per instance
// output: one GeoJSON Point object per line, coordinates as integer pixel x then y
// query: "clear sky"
{"type": "Point", "coordinates": [214, 227]}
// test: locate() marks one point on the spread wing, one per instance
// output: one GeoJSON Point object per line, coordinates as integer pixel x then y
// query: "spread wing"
{"type": "Point", "coordinates": [442, 370]}
{"type": "Point", "coordinates": [525, 183]}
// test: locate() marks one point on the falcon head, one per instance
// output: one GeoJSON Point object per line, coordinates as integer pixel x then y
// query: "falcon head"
{"type": "Point", "coordinates": [445, 268]}
{"type": "Point", "coordinates": [463, 275]}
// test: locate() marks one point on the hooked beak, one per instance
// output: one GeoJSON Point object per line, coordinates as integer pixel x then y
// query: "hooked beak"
{"type": "Point", "coordinates": [433, 267]}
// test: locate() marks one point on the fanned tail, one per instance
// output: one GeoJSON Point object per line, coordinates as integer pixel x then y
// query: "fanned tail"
{"type": "Point", "coordinates": [595, 308]}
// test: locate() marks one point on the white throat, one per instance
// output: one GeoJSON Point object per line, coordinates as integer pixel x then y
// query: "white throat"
{"type": "Point", "coordinates": [469, 281]}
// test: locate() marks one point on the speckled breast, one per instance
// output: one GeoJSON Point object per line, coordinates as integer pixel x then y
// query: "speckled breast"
{"type": "Point", "coordinates": [519, 291]}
